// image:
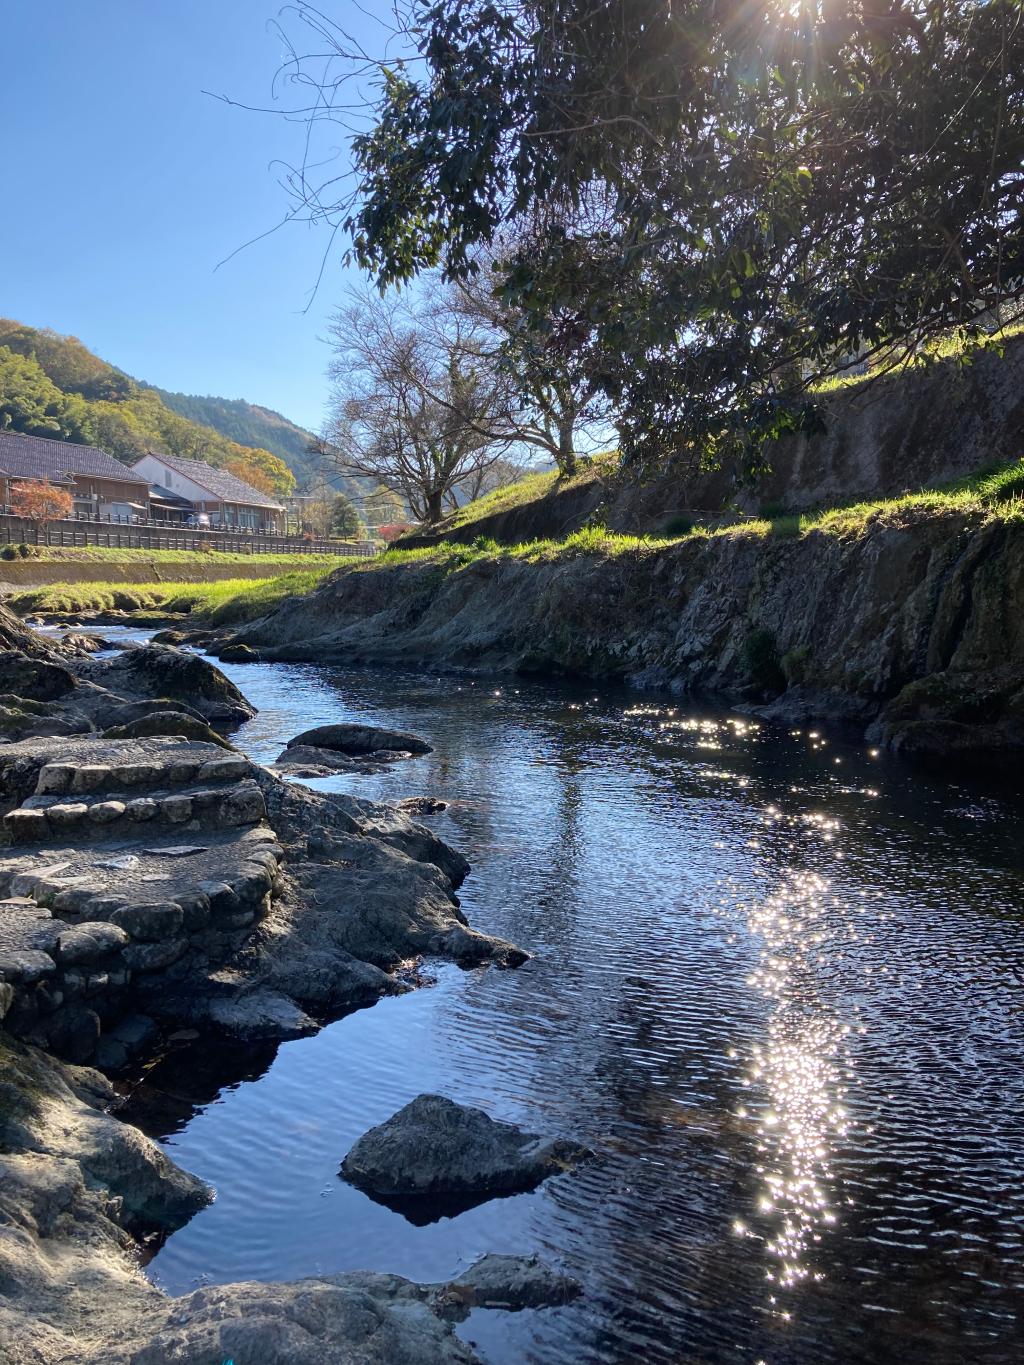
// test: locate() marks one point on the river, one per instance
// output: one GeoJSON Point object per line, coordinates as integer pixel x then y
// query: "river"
{"type": "Point", "coordinates": [777, 986]}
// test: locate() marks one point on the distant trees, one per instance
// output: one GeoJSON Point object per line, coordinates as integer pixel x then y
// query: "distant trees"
{"type": "Point", "coordinates": [345, 520]}
{"type": "Point", "coordinates": [32, 403]}
{"type": "Point", "coordinates": [40, 502]}
{"type": "Point", "coordinates": [415, 404]}
{"type": "Point", "coordinates": [251, 474]}
{"type": "Point", "coordinates": [382, 507]}
{"type": "Point", "coordinates": [51, 385]}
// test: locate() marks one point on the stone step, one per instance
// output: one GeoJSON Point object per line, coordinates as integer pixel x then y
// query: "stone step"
{"type": "Point", "coordinates": [77, 779]}
{"type": "Point", "coordinates": [43, 818]}
{"type": "Point", "coordinates": [83, 938]}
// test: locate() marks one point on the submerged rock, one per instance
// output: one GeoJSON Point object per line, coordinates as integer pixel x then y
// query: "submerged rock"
{"type": "Point", "coordinates": [306, 760]}
{"type": "Point", "coordinates": [436, 1150]}
{"type": "Point", "coordinates": [421, 805]}
{"type": "Point", "coordinates": [509, 1282]}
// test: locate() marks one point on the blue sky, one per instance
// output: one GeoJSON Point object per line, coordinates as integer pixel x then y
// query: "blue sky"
{"type": "Point", "coordinates": [124, 186]}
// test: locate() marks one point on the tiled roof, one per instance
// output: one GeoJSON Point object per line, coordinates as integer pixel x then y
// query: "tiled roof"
{"type": "Point", "coordinates": [218, 481]}
{"type": "Point", "coordinates": [37, 457]}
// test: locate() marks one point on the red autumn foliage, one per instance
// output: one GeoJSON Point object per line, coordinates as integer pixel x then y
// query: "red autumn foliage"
{"type": "Point", "coordinates": [393, 531]}
{"type": "Point", "coordinates": [40, 502]}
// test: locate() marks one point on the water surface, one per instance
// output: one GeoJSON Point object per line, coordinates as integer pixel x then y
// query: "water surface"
{"type": "Point", "coordinates": [777, 986]}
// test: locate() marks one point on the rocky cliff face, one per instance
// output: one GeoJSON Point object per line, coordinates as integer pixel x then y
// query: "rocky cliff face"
{"type": "Point", "coordinates": [913, 625]}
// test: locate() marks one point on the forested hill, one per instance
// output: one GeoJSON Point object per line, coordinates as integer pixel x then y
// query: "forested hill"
{"type": "Point", "coordinates": [249, 425]}
{"type": "Point", "coordinates": [53, 385]}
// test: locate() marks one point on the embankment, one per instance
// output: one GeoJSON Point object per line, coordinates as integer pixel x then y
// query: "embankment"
{"type": "Point", "coordinates": [880, 437]}
{"type": "Point", "coordinates": [911, 624]}
{"type": "Point", "coordinates": [16, 575]}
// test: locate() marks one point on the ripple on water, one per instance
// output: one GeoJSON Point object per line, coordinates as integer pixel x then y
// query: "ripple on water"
{"type": "Point", "coordinates": [778, 995]}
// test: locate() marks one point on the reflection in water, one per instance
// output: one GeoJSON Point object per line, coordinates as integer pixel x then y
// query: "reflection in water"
{"type": "Point", "coordinates": [778, 994]}
{"type": "Point", "coordinates": [798, 1070]}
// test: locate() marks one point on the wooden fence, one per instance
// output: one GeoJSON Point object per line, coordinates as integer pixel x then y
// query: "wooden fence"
{"type": "Point", "coordinates": [116, 535]}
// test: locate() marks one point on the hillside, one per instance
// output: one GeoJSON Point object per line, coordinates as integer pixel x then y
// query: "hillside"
{"type": "Point", "coordinates": [248, 424]}
{"type": "Point", "coordinates": [53, 385]}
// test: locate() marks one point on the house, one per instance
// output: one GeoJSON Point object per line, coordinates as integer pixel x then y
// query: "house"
{"type": "Point", "coordinates": [100, 485]}
{"type": "Point", "coordinates": [210, 492]}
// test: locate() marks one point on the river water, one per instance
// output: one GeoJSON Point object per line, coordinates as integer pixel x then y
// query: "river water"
{"type": "Point", "coordinates": [777, 986]}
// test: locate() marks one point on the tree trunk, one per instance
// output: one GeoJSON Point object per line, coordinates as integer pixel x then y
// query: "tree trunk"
{"type": "Point", "coordinates": [435, 507]}
{"type": "Point", "coordinates": [566, 457]}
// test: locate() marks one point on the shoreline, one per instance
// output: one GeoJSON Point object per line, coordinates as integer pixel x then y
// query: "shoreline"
{"type": "Point", "coordinates": [284, 910]}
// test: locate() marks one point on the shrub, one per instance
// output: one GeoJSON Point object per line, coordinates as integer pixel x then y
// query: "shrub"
{"type": "Point", "coordinates": [678, 526]}
{"type": "Point", "coordinates": [786, 527]}
{"type": "Point", "coordinates": [393, 531]}
{"type": "Point", "coordinates": [9, 552]}
{"type": "Point", "coordinates": [761, 659]}
{"type": "Point", "coordinates": [794, 664]}
{"type": "Point", "coordinates": [25, 551]}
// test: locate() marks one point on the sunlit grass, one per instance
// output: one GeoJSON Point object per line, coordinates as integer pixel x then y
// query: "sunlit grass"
{"type": "Point", "coordinates": [103, 554]}
{"type": "Point", "coordinates": [222, 603]}
{"type": "Point", "coordinates": [956, 345]}
{"type": "Point", "coordinates": [531, 488]}
{"type": "Point", "coordinates": [993, 494]}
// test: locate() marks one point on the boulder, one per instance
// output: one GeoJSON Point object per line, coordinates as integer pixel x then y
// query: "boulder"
{"type": "Point", "coordinates": [354, 740]}
{"type": "Point", "coordinates": [238, 654]}
{"type": "Point", "coordinates": [435, 1151]}
{"type": "Point", "coordinates": [166, 723]}
{"type": "Point", "coordinates": [36, 679]}
{"type": "Point", "coordinates": [159, 671]}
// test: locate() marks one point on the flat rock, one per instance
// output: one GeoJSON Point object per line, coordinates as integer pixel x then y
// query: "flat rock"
{"type": "Point", "coordinates": [262, 1014]}
{"type": "Point", "coordinates": [437, 1150]}
{"type": "Point", "coordinates": [308, 760]}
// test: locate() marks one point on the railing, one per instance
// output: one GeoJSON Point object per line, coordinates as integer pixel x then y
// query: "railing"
{"type": "Point", "coordinates": [148, 534]}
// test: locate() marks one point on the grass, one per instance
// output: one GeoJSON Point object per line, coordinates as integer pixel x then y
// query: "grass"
{"type": "Point", "coordinates": [994, 494]}
{"type": "Point", "coordinates": [102, 554]}
{"type": "Point", "coordinates": [955, 346]}
{"type": "Point", "coordinates": [532, 488]}
{"type": "Point", "coordinates": [230, 601]}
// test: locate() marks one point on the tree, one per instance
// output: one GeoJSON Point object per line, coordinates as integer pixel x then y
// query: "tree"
{"type": "Point", "coordinates": [40, 502]}
{"type": "Point", "coordinates": [252, 475]}
{"type": "Point", "coordinates": [724, 203]}
{"type": "Point", "coordinates": [345, 520]}
{"type": "Point", "coordinates": [413, 402]}
{"type": "Point", "coordinates": [551, 404]}
{"type": "Point", "coordinates": [31, 403]}
{"type": "Point", "coordinates": [382, 507]}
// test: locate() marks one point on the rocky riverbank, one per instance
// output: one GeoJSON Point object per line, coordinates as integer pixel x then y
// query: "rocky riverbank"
{"type": "Point", "coordinates": [155, 880]}
{"type": "Point", "coordinates": [909, 626]}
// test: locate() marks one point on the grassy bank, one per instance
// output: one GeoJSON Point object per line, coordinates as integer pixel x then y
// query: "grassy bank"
{"type": "Point", "coordinates": [991, 495]}
{"type": "Point", "coordinates": [227, 602]}
{"type": "Point", "coordinates": [101, 554]}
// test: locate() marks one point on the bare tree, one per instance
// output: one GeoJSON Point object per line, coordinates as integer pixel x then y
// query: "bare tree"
{"type": "Point", "coordinates": [415, 404]}
{"type": "Point", "coordinates": [552, 406]}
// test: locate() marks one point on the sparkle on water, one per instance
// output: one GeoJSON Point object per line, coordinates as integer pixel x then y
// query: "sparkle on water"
{"type": "Point", "coordinates": [779, 996]}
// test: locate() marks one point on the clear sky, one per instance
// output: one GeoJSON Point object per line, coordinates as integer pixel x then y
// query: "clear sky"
{"type": "Point", "coordinates": [123, 186]}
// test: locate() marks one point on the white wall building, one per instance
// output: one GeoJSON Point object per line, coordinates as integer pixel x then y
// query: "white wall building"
{"type": "Point", "coordinates": [225, 499]}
